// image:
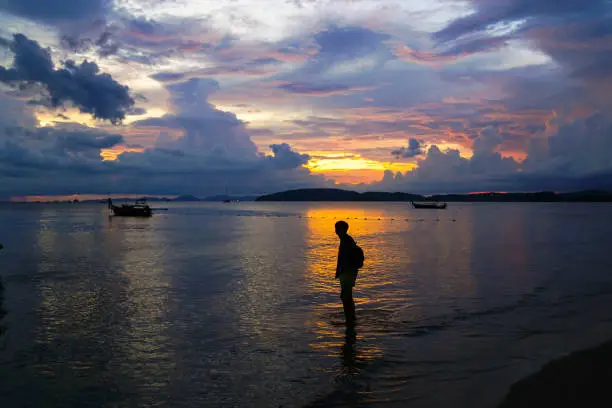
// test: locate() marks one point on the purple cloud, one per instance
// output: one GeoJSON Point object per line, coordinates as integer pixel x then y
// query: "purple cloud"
{"type": "Point", "coordinates": [286, 158]}
{"type": "Point", "coordinates": [82, 84]}
{"type": "Point", "coordinates": [314, 89]}
{"type": "Point", "coordinates": [349, 42]}
{"type": "Point", "coordinates": [414, 149]}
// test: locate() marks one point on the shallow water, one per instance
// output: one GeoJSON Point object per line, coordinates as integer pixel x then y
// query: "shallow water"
{"type": "Point", "coordinates": [236, 305]}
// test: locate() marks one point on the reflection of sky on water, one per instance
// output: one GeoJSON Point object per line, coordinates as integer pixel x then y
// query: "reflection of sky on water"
{"type": "Point", "coordinates": [103, 299]}
{"type": "Point", "coordinates": [321, 254]}
{"type": "Point", "coordinates": [238, 305]}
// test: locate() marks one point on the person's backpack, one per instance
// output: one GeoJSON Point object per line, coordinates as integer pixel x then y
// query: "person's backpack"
{"type": "Point", "coordinates": [357, 257]}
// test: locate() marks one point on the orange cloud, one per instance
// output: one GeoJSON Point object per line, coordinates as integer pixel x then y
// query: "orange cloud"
{"type": "Point", "coordinates": [113, 153]}
{"type": "Point", "coordinates": [353, 168]}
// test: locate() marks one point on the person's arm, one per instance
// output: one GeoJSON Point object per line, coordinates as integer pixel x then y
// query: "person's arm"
{"type": "Point", "coordinates": [341, 258]}
{"type": "Point", "coordinates": [344, 253]}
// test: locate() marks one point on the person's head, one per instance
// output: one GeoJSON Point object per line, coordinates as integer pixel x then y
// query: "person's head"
{"type": "Point", "coordinates": [341, 228]}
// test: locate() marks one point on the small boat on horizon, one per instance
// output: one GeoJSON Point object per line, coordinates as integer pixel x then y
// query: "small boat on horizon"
{"type": "Point", "coordinates": [139, 209]}
{"type": "Point", "coordinates": [431, 205]}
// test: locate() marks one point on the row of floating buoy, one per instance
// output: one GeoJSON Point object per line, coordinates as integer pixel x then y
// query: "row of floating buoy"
{"type": "Point", "coordinates": [347, 218]}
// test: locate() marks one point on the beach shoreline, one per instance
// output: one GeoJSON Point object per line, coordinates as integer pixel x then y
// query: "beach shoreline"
{"type": "Point", "coordinates": [580, 378]}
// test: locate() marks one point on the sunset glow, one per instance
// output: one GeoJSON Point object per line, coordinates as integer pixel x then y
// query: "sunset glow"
{"type": "Point", "coordinates": [424, 97]}
{"type": "Point", "coordinates": [112, 154]}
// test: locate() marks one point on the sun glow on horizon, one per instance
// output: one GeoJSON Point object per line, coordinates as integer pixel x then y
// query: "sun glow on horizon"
{"type": "Point", "coordinates": [353, 168]}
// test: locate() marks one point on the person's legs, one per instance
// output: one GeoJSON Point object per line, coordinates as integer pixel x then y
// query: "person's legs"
{"type": "Point", "coordinates": [347, 281]}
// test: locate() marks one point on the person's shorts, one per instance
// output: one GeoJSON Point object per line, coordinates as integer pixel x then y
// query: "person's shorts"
{"type": "Point", "coordinates": [347, 279]}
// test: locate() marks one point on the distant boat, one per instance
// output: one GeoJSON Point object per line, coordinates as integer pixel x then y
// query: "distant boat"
{"type": "Point", "coordinates": [231, 201]}
{"type": "Point", "coordinates": [139, 209]}
{"type": "Point", "coordinates": [431, 205]}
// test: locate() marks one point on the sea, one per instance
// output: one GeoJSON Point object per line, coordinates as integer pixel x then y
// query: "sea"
{"type": "Point", "coordinates": [236, 305]}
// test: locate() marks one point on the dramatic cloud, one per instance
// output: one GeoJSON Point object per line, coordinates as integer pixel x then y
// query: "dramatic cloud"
{"type": "Point", "coordinates": [414, 149]}
{"type": "Point", "coordinates": [82, 84]}
{"type": "Point", "coordinates": [576, 34]}
{"type": "Point", "coordinates": [349, 42]}
{"type": "Point", "coordinates": [38, 152]}
{"type": "Point", "coordinates": [567, 156]}
{"type": "Point", "coordinates": [581, 147]}
{"type": "Point", "coordinates": [491, 13]}
{"type": "Point", "coordinates": [66, 160]}
{"type": "Point", "coordinates": [477, 94]}
{"type": "Point", "coordinates": [286, 158]}
{"type": "Point", "coordinates": [205, 128]}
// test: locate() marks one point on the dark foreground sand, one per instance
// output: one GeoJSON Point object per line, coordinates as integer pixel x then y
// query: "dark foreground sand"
{"type": "Point", "coordinates": [581, 379]}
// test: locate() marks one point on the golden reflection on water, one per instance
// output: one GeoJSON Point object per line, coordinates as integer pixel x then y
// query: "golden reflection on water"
{"type": "Point", "coordinates": [321, 253]}
{"type": "Point", "coordinates": [322, 242]}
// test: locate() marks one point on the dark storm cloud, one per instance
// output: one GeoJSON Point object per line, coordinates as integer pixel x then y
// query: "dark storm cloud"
{"type": "Point", "coordinates": [66, 159]}
{"type": "Point", "coordinates": [55, 170]}
{"type": "Point", "coordinates": [76, 142]}
{"type": "Point", "coordinates": [414, 149]}
{"type": "Point", "coordinates": [286, 158]}
{"type": "Point", "coordinates": [56, 10]}
{"type": "Point", "coordinates": [73, 148]}
{"type": "Point", "coordinates": [82, 84]}
{"type": "Point", "coordinates": [100, 37]}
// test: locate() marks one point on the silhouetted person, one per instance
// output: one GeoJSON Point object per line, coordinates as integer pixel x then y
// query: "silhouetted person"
{"type": "Point", "coordinates": [346, 269]}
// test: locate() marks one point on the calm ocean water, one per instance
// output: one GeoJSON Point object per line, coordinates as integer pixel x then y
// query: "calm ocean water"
{"type": "Point", "coordinates": [236, 305]}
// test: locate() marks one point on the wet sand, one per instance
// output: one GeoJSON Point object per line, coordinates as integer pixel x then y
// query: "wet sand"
{"type": "Point", "coordinates": [580, 379]}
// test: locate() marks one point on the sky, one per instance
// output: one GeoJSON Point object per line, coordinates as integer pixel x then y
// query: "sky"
{"type": "Point", "coordinates": [240, 97]}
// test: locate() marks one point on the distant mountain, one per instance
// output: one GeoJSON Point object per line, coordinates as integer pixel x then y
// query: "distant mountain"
{"type": "Point", "coordinates": [227, 197]}
{"type": "Point", "coordinates": [331, 194]}
{"type": "Point", "coordinates": [149, 199]}
{"type": "Point", "coordinates": [544, 196]}
{"type": "Point", "coordinates": [186, 198]}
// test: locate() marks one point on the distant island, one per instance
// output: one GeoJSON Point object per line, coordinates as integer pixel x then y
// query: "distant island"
{"type": "Point", "coordinates": [334, 194]}
{"type": "Point", "coordinates": [331, 194]}
{"type": "Point", "coordinates": [191, 198]}
{"type": "Point", "coordinates": [152, 199]}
